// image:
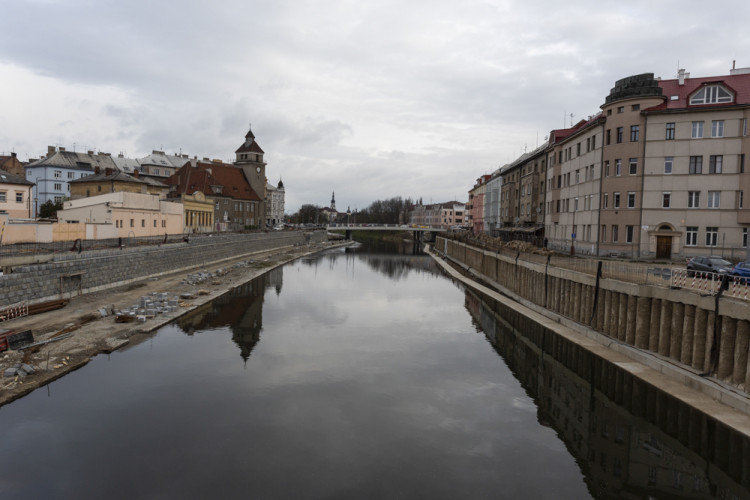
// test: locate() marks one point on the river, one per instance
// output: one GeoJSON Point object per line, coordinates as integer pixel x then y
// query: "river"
{"type": "Point", "coordinates": [357, 373]}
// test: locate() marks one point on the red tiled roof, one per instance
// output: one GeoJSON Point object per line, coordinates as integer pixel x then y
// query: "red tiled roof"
{"type": "Point", "coordinates": [739, 84]}
{"type": "Point", "coordinates": [204, 176]}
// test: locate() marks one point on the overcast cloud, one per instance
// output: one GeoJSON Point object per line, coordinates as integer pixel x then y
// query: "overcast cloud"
{"type": "Point", "coordinates": [370, 99]}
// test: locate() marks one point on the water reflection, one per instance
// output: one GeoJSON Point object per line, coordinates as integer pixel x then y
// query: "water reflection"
{"type": "Point", "coordinates": [240, 310]}
{"type": "Point", "coordinates": [630, 440]}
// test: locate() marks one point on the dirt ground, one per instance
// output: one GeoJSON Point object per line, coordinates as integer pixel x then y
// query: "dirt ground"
{"type": "Point", "coordinates": [92, 333]}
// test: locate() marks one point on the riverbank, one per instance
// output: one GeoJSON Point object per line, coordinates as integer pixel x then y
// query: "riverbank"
{"type": "Point", "coordinates": [92, 333]}
{"type": "Point", "coordinates": [713, 401]}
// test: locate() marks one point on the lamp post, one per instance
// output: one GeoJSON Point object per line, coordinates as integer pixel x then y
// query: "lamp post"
{"type": "Point", "coordinates": [36, 198]}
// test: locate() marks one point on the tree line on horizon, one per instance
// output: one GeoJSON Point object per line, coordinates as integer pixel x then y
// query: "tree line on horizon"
{"type": "Point", "coordinates": [389, 211]}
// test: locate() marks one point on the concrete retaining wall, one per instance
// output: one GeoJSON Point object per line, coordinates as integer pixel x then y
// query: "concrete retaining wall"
{"type": "Point", "coordinates": [70, 273]}
{"type": "Point", "coordinates": [679, 325]}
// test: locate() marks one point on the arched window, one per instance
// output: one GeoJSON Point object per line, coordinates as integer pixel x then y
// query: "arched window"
{"type": "Point", "coordinates": [712, 94]}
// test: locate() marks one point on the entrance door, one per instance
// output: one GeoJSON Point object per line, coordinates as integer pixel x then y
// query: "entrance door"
{"type": "Point", "coordinates": [663, 247]}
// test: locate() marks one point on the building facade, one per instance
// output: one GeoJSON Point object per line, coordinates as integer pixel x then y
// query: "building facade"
{"type": "Point", "coordinates": [15, 196]}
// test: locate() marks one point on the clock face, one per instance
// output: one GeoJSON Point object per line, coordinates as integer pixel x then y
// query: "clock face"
{"type": "Point", "coordinates": [257, 169]}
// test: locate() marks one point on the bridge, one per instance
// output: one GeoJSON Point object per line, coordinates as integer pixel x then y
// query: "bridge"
{"type": "Point", "coordinates": [416, 230]}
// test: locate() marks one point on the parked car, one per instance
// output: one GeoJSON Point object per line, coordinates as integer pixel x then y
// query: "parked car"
{"type": "Point", "coordinates": [742, 271]}
{"type": "Point", "coordinates": [709, 264]}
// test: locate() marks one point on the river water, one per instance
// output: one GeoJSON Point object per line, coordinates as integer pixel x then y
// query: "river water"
{"type": "Point", "coordinates": [358, 373]}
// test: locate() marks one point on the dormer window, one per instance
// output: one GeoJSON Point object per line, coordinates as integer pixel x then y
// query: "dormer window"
{"type": "Point", "coordinates": [711, 94]}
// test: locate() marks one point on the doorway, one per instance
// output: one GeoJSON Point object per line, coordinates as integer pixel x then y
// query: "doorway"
{"type": "Point", "coordinates": [663, 247]}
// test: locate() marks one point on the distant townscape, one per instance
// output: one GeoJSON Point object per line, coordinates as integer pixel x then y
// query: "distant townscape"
{"type": "Point", "coordinates": [658, 172]}
{"type": "Point", "coordinates": [67, 195]}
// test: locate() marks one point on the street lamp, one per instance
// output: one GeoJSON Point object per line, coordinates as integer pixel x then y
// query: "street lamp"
{"type": "Point", "coordinates": [36, 198]}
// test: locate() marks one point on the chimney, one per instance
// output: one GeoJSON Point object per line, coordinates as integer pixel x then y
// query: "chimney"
{"type": "Point", "coordinates": [90, 152]}
{"type": "Point", "coordinates": [50, 150]}
{"type": "Point", "coordinates": [682, 76]}
{"type": "Point", "coordinates": [13, 155]}
{"type": "Point", "coordinates": [136, 173]}
{"type": "Point", "coordinates": [96, 170]}
{"type": "Point", "coordinates": [107, 171]}
{"type": "Point", "coordinates": [62, 148]}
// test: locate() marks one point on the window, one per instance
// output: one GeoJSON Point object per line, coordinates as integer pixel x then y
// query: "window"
{"type": "Point", "coordinates": [578, 149]}
{"type": "Point", "coordinates": [711, 94]}
{"type": "Point", "coordinates": [575, 205]}
{"type": "Point", "coordinates": [635, 107]}
{"type": "Point", "coordinates": [717, 128]}
{"type": "Point", "coordinates": [621, 109]}
{"type": "Point", "coordinates": [58, 187]}
{"type": "Point", "coordinates": [71, 175]}
{"type": "Point", "coordinates": [588, 144]}
{"type": "Point", "coordinates": [163, 223]}
{"type": "Point", "coordinates": [742, 163]}
{"type": "Point", "coordinates": [132, 222]}
{"type": "Point", "coordinates": [631, 199]}
{"type": "Point", "coordinates": [606, 200]}
{"type": "Point", "coordinates": [668, 164]}
{"type": "Point", "coordinates": [694, 199]}
{"type": "Point", "coordinates": [740, 199]}
{"type": "Point", "coordinates": [629, 234]}
{"type": "Point", "coordinates": [615, 235]}
{"type": "Point", "coordinates": [619, 134]}
{"type": "Point", "coordinates": [634, 133]}
{"type": "Point", "coordinates": [712, 234]}
{"type": "Point", "coordinates": [697, 130]}
{"type": "Point", "coordinates": [666, 199]}
{"type": "Point", "coordinates": [19, 197]}
{"type": "Point", "coordinates": [744, 237]}
{"type": "Point", "coordinates": [3, 196]}
{"type": "Point", "coordinates": [670, 131]}
{"type": "Point", "coordinates": [606, 168]}
{"type": "Point", "coordinates": [714, 164]}
{"type": "Point", "coordinates": [609, 136]}
{"type": "Point", "coordinates": [593, 142]}
{"type": "Point", "coordinates": [691, 236]}
{"type": "Point", "coordinates": [578, 176]}
{"type": "Point", "coordinates": [617, 200]}
{"type": "Point", "coordinates": [714, 198]}
{"type": "Point", "coordinates": [58, 199]}
{"type": "Point", "coordinates": [696, 164]}
{"type": "Point", "coordinates": [143, 222]}
{"type": "Point", "coordinates": [633, 166]}
{"type": "Point", "coordinates": [604, 233]}
{"type": "Point", "coordinates": [618, 168]}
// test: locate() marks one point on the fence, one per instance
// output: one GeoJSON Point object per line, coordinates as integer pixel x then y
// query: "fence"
{"type": "Point", "coordinates": [710, 283]}
{"type": "Point", "coordinates": [14, 311]}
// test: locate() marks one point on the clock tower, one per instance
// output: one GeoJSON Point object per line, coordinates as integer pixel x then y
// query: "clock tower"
{"type": "Point", "coordinates": [249, 157]}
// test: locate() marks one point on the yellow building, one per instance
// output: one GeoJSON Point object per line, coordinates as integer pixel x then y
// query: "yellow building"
{"type": "Point", "coordinates": [114, 181]}
{"type": "Point", "coordinates": [199, 212]}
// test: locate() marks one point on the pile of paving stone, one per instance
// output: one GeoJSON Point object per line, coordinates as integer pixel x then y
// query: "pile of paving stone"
{"type": "Point", "coordinates": [20, 370]}
{"type": "Point", "coordinates": [151, 305]}
{"type": "Point", "coordinates": [197, 278]}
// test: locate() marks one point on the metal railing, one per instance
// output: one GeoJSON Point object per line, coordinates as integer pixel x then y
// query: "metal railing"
{"type": "Point", "coordinates": [18, 310]}
{"type": "Point", "coordinates": [640, 273]}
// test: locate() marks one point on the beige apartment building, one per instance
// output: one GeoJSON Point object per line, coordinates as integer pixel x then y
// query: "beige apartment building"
{"type": "Point", "coordinates": [695, 177]}
{"type": "Point", "coordinates": [574, 159]}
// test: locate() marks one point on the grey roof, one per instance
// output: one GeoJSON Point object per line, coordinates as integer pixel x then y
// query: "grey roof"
{"type": "Point", "coordinates": [78, 161]}
{"type": "Point", "coordinates": [114, 175]}
{"type": "Point", "coordinates": [8, 178]}
{"type": "Point", "coordinates": [161, 159]}
{"type": "Point", "coordinates": [127, 165]}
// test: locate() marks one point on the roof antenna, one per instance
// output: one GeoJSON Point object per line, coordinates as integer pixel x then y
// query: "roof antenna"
{"type": "Point", "coordinates": [571, 119]}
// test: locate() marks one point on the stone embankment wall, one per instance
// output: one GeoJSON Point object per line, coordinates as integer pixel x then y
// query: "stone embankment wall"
{"type": "Point", "coordinates": [679, 325]}
{"type": "Point", "coordinates": [67, 274]}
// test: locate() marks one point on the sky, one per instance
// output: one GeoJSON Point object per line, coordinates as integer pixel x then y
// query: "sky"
{"type": "Point", "coordinates": [369, 99]}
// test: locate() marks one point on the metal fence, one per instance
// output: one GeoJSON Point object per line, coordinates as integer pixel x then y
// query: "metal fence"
{"type": "Point", "coordinates": [641, 273]}
{"type": "Point", "coordinates": [14, 311]}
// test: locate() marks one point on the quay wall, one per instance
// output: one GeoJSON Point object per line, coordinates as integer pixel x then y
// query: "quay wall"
{"type": "Point", "coordinates": [67, 274]}
{"type": "Point", "coordinates": [706, 335]}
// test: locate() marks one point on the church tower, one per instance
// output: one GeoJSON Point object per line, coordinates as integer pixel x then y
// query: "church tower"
{"type": "Point", "coordinates": [333, 201]}
{"type": "Point", "coordinates": [249, 157]}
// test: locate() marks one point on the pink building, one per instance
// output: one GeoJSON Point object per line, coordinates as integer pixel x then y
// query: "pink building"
{"type": "Point", "coordinates": [475, 207]}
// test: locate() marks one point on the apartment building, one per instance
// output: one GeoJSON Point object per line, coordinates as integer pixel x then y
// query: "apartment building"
{"type": "Point", "coordinates": [695, 181]}
{"type": "Point", "coordinates": [572, 201]}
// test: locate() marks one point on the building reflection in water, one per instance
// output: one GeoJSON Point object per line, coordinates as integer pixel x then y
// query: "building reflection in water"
{"type": "Point", "coordinates": [630, 440]}
{"type": "Point", "coordinates": [240, 310]}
